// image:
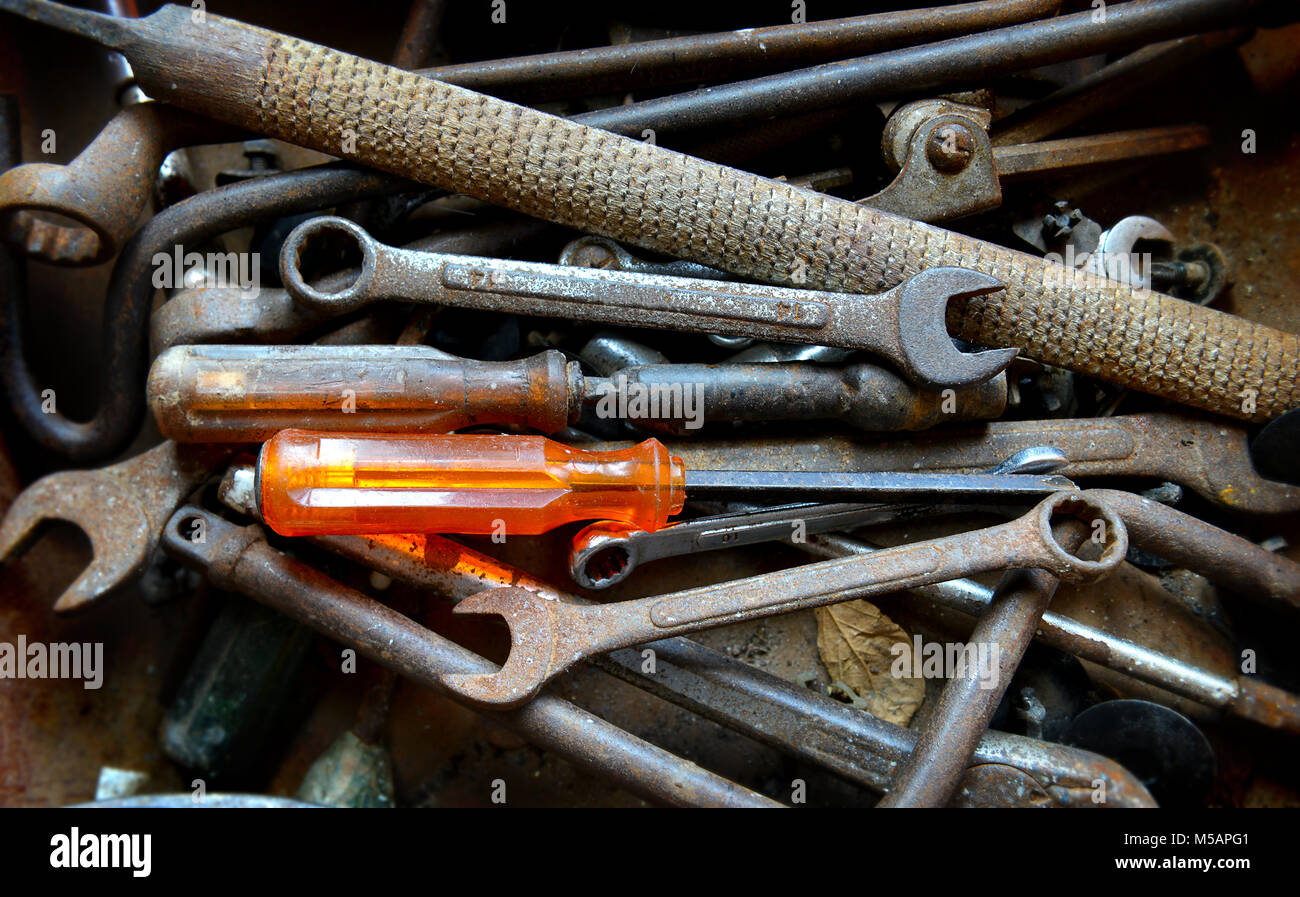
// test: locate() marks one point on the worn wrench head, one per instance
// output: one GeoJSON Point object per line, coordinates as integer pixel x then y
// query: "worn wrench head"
{"type": "Point", "coordinates": [316, 232]}
{"type": "Point", "coordinates": [930, 358]}
{"type": "Point", "coordinates": [1104, 528]}
{"type": "Point", "coordinates": [121, 538]}
{"type": "Point", "coordinates": [534, 642]}
{"type": "Point", "coordinates": [603, 554]}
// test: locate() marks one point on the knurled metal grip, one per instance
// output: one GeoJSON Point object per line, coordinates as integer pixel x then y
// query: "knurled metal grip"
{"type": "Point", "coordinates": [752, 226]}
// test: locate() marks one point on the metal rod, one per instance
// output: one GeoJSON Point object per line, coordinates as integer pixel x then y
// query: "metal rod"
{"type": "Point", "coordinates": [746, 52]}
{"type": "Point", "coordinates": [968, 702]}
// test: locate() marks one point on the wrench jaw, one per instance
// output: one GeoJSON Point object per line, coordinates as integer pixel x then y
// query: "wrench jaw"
{"type": "Point", "coordinates": [122, 540]}
{"type": "Point", "coordinates": [534, 640]}
{"type": "Point", "coordinates": [927, 353]}
{"type": "Point", "coordinates": [1104, 528]}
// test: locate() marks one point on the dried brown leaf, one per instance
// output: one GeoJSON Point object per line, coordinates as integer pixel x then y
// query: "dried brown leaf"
{"type": "Point", "coordinates": [855, 641]}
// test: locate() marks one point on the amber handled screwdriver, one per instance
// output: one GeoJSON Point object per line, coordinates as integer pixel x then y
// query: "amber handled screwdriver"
{"type": "Point", "coordinates": [317, 483]}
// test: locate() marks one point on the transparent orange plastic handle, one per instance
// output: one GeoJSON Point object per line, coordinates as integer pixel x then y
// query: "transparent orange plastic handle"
{"type": "Point", "coordinates": [317, 483]}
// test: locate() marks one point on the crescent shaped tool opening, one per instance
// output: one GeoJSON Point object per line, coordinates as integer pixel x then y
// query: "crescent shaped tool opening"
{"type": "Point", "coordinates": [930, 357]}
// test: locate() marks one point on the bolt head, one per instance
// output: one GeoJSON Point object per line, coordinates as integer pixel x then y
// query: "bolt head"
{"type": "Point", "coordinates": [951, 147]}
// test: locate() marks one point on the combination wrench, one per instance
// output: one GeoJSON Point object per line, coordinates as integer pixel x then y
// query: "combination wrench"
{"type": "Point", "coordinates": [121, 509]}
{"type": "Point", "coordinates": [549, 636]}
{"type": "Point", "coordinates": [904, 324]}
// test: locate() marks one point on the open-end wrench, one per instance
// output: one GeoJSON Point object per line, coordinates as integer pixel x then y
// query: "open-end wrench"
{"type": "Point", "coordinates": [606, 552]}
{"type": "Point", "coordinates": [905, 324]}
{"type": "Point", "coordinates": [549, 636]}
{"type": "Point", "coordinates": [121, 508]}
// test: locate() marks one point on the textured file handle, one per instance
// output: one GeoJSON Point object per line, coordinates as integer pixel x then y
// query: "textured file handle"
{"type": "Point", "coordinates": [662, 200]}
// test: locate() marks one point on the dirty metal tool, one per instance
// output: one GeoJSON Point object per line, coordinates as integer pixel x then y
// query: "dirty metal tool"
{"type": "Point", "coordinates": [1212, 458]}
{"type": "Point", "coordinates": [1244, 697]}
{"type": "Point", "coordinates": [239, 559]}
{"type": "Point", "coordinates": [1221, 557]}
{"type": "Point", "coordinates": [550, 636]}
{"type": "Point", "coordinates": [932, 68]}
{"type": "Point", "coordinates": [730, 54]}
{"type": "Point", "coordinates": [1108, 88]}
{"type": "Point", "coordinates": [121, 509]}
{"type": "Point", "coordinates": [967, 703]}
{"type": "Point", "coordinates": [605, 553]}
{"type": "Point", "coordinates": [81, 213]}
{"type": "Point", "coordinates": [762, 229]}
{"type": "Point", "coordinates": [131, 290]}
{"type": "Point", "coordinates": [215, 313]}
{"type": "Point", "coordinates": [316, 483]}
{"type": "Point", "coordinates": [947, 166]}
{"type": "Point", "coordinates": [1198, 272]}
{"type": "Point", "coordinates": [1028, 159]}
{"type": "Point", "coordinates": [866, 396]}
{"type": "Point", "coordinates": [905, 325]}
{"type": "Point", "coordinates": [1011, 770]}
{"type": "Point", "coordinates": [249, 393]}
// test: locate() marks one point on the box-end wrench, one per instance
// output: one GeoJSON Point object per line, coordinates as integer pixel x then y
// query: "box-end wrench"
{"type": "Point", "coordinates": [905, 324]}
{"type": "Point", "coordinates": [121, 509]}
{"type": "Point", "coordinates": [550, 636]}
{"type": "Point", "coordinates": [605, 553]}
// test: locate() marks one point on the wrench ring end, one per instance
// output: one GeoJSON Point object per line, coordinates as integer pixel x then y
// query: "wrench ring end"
{"type": "Point", "coordinates": [602, 555]}
{"type": "Point", "coordinates": [1069, 566]}
{"type": "Point", "coordinates": [295, 247]}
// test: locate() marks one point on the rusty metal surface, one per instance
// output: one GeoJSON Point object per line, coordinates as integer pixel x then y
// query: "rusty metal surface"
{"type": "Point", "coordinates": [1239, 200]}
{"type": "Point", "coordinates": [233, 393]}
{"type": "Point", "coordinates": [947, 740]}
{"type": "Point", "coordinates": [218, 314]}
{"type": "Point", "coordinates": [1217, 554]}
{"type": "Point", "coordinates": [745, 698]}
{"type": "Point", "coordinates": [933, 68]}
{"type": "Point", "coordinates": [120, 508]}
{"type": "Point", "coordinates": [548, 636]}
{"type": "Point", "coordinates": [947, 168]}
{"type": "Point", "coordinates": [732, 54]}
{"type": "Point", "coordinates": [1110, 87]}
{"type": "Point", "coordinates": [239, 559]}
{"type": "Point", "coordinates": [905, 324]}
{"type": "Point", "coordinates": [1188, 667]}
{"type": "Point", "coordinates": [1028, 159]}
{"type": "Point", "coordinates": [1211, 457]}
{"type": "Point", "coordinates": [83, 212]}
{"type": "Point", "coordinates": [121, 405]}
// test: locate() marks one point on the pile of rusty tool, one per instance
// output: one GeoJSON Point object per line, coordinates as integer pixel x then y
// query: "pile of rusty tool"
{"type": "Point", "coordinates": [649, 347]}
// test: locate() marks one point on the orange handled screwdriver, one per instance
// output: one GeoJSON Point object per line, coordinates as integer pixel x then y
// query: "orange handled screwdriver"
{"type": "Point", "coordinates": [316, 483]}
